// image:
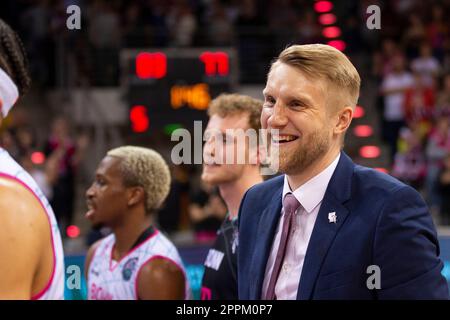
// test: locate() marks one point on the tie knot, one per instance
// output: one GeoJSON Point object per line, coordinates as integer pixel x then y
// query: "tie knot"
{"type": "Point", "coordinates": [290, 203]}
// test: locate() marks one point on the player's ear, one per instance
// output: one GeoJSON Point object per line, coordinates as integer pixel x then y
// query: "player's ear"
{"type": "Point", "coordinates": [344, 118]}
{"type": "Point", "coordinates": [135, 195]}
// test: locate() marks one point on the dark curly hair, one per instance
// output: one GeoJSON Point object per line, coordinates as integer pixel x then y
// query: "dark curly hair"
{"type": "Point", "coordinates": [13, 58]}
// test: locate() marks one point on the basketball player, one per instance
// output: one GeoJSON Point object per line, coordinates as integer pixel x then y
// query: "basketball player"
{"type": "Point", "coordinates": [228, 112]}
{"type": "Point", "coordinates": [135, 262]}
{"type": "Point", "coordinates": [31, 253]}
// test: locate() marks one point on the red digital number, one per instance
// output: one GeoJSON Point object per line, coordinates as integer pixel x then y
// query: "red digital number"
{"type": "Point", "coordinates": [139, 119]}
{"type": "Point", "coordinates": [215, 63]}
{"type": "Point", "coordinates": [151, 65]}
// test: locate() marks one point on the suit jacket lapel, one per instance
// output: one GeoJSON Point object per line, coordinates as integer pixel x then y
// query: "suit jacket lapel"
{"type": "Point", "coordinates": [266, 230]}
{"type": "Point", "coordinates": [324, 232]}
{"type": "Point", "coordinates": [322, 237]}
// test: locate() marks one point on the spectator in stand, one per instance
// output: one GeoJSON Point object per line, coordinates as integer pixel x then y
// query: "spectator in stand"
{"type": "Point", "coordinates": [207, 211]}
{"type": "Point", "coordinates": [437, 30]}
{"type": "Point", "coordinates": [25, 140]}
{"type": "Point", "coordinates": [45, 177]}
{"type": "Point", "coordinates": [426, 66]}
{"type": "Point", "coordinates": [415, 35]}
{"type": "Point", "coordinates": [182, 25]}
{"type": "Point", "coordinates": [420, 103]}
{"type": "Point", "coordinates": [410, 163]}
{"type": "Point", "coordinates": [220, 31]}
{"type": "Point", "coordinates": [383, 60]}
{"type": "Point", "coordinates": [394, 86]}
{"type": "Point", "coordinates": [444, 184]}
{"type": "Point", "coordinates": [62, 149]}
{"type": "Point", "coordinates": [174, 209]}
{"type": "Point", "coordinates": [443, 100]}
{"type": "Point", "coordinates": [8, 142]}
{"type": "Point", "coordinates": [446, 54]}
{"type": "Point", "coordinates": [308, 31]}
{"type": "Point", "coordinates": [105, 36]}
{"type": "Point", "coordinates": [438, 147]}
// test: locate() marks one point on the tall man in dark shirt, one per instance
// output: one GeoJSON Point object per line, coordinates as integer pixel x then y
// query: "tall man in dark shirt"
{"type": "Point", "coordinates": [231, 115]}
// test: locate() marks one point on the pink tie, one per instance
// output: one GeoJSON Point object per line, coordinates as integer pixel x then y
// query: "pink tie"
{"type": "Point", "coordinates": [290, 205]}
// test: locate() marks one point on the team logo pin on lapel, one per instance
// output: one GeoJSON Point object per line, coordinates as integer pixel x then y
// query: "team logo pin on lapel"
{"type": "Point", "coordinates": [332, 217]}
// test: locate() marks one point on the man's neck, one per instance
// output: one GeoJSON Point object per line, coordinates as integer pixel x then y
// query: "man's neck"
{"type": "Point", "coordinates": [127, 232]}
{"type": "Point", "coordinates": [299, 179]}
{"type": "Point", "coordinates": [233, 192]}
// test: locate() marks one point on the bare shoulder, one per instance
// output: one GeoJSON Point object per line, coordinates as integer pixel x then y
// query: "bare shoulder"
{"type": "Point", "coordinates": [20, 210]}
{"type": "Point", "coordinates": [164, 274]}
{"type": "Point", "coordinates": [24, 235]}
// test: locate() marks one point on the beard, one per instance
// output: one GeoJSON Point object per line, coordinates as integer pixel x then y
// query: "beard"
{"type": "Point", "coordinates": [304, 154]}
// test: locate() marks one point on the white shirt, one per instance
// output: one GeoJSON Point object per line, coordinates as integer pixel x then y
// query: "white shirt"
{"type": "Point", "coordinates": [427, 67]}
{"type": "Point", "coordinates": [394, 109]}
{"type": "Point", "coordinates": [310, 196]}
{"type": "Point", "coordinates": [118, 280]}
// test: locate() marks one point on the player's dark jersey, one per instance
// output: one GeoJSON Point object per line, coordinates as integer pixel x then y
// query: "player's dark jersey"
{"type": "Point", "coordinates": [220, 277]}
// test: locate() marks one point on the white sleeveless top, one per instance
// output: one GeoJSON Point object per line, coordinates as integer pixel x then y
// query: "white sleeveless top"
{"type": "Point", "coordinates": [117, 280]}
{"type": "Point", "coordinates": [9, 169]}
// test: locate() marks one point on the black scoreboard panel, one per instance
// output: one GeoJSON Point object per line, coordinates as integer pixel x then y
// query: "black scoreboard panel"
{"type": "Point", "coordinates": [167, 87]}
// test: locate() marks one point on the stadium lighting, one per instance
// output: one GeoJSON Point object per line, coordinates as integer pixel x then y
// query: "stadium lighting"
{"type": "Point", "coordinates": [331, 32]}
{"type": "Point", "coordinates": [73, 231]}
{"type": "Point", "coordinates": [359, 112]}
{"type": "Point", "coordinates": [323, 6]}
{"type": "Point", "coordinates": [369, 152]}
{"type": "Point", "coordinates": [338, 44]}
{"type": "Point", "coordinates": [139, 119]}
{"type": "Point", "coordinates": [37, 158]}
{"type": "Point", "coordinates": [363, 131]}
{"type": "Point", "coordinates": [327, 19]}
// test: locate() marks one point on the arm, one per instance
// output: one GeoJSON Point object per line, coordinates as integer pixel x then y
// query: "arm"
{"type": "Point", "coordinates": [161, 279]}
{"type": "Point", "coordinates": [23, 234]}
{"type": "Point", "coordinates": [407, 250]}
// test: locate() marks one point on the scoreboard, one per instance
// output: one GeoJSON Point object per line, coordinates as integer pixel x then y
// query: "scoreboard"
{"type": "Point", "coordinates": [173, 87]}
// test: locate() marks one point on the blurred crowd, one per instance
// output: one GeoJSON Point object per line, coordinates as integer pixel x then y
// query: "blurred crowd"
{"type": "Point", "coordinates": [413, 71]}
{"type": "Point", "coordinates": [409, 58]}
{"type": "Point", "coordinates": [258, 29]}
{"type": "Point", "coordinates": [52, 162]}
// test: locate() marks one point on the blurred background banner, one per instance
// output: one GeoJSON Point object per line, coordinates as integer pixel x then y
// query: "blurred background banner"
{"type": "Point", "coordinates": [135, 71]}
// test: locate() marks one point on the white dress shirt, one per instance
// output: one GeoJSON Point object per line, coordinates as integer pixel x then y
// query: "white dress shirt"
{"type": "Point", "coordinates": [310, 196]}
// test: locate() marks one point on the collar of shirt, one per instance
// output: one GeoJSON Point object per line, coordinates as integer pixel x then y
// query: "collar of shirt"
{"type": "Point", "coordinates": [311, 193]}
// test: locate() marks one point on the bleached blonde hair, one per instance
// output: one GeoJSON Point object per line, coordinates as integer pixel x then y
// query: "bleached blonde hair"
{"type": "Point", "coordinates": [320, 61]}
{"type": "Point", "coordinates": [145, 168]}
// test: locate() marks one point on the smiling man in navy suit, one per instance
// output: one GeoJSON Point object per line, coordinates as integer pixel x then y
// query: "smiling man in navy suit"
{"type": "Point", "coordinates": [327, 228]}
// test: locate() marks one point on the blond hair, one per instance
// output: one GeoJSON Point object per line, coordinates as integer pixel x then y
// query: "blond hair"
{"type": "Point", "coordinates": [228, 104]}
{"type": "Point", "coordinates": [145, 168]}
{"type": "Point", "coordinates": [320, 61]}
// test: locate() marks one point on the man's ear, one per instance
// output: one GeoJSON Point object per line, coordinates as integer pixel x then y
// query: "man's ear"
{"type": "Point", "coordinates": [344, 119]}
{"type": "Point", "coordinates": [135, 195]}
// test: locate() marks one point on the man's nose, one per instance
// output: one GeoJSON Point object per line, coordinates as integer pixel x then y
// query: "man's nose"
{"type": "Point", "coordinates": [278, 118]}
{"type": "Point", "coordinates": [90, 192]}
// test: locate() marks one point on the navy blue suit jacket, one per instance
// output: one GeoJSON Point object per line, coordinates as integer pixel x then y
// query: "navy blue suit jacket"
{"type": "Point", "coordinates": [380, 221]}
